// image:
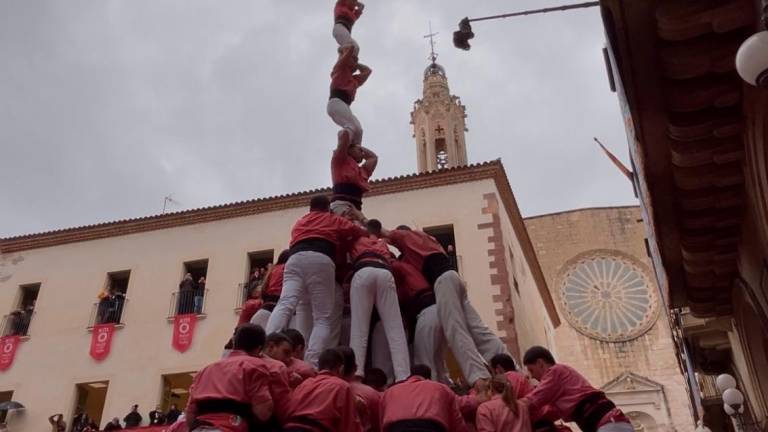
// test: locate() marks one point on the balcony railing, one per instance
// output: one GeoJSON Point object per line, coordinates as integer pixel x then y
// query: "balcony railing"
{"type": "Point", "coordinates": [108, 311]}
{"type": "Point", "coordinates": [187, 302]}
{"type": "Point", "coordinates": [16, 324]}
{"type": "Point", "coordinates": [708, 387]}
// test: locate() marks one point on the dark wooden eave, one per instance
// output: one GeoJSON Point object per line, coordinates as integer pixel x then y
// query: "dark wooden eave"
{"type": "Point", "coordinates": [675, 61]}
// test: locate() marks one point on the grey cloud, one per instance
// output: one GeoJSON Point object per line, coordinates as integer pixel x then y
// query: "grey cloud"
{"type": "Point", "coordinates": [106, 106]}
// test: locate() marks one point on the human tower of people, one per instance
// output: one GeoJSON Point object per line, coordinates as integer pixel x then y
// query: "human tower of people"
{"type": "Point", "coordinates": [268, 381]}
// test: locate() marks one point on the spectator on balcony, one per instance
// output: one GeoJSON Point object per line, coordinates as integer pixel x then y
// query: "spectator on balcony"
{"type": "Point", "coordinates": [186, 292]}
{"type": "Point", "coordinates": [172, 415]}
{"type": "Point", "coordinates": [156, 417]}
{"type": "Point", "coordinates": [102, 311]}
{"type": "Point", "coordinates": [15, 326]}
{"type": "Point", "coordinates": [133, 419]}
{"type": "Point", "coordinates": [81, 421]}
{"type": "Point", "coordinates": [57, 423]}
{"type": "Point", "coordinates": [113, 425]}
{"type": "Point", "coordinates": [199, 295]}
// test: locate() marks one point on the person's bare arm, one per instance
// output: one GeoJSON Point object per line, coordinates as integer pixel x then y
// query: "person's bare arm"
{"type": "Point", "coordinates": [364, 72]}
{"type": "Point", "coordinates": [371, 160]}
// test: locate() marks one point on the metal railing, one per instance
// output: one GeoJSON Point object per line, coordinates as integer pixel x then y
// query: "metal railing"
{"type": "Point", "coordinates": [708, 387]}
{"type": "Point", "coordinates": [108, 311]}
{"type": "Point", "coordinates": [243, 291]}
{"type": "Point", "coordinates": [16, 323]}
{"type": "Point", "coordinates": [187, 302]}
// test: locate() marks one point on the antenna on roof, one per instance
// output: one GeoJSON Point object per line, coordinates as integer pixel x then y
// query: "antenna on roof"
{"type": "Point", "coordinates": [168, 199]}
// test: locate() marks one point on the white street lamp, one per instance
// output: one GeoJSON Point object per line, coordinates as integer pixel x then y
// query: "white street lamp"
{"type": "Point", "coordinates": [752, 57]}
{"type": "Point", "coordinates": [724, 382]}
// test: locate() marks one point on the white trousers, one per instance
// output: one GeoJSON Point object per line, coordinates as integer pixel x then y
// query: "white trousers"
{"type": "Point", "coordinates": [381, 356]}
{"type": "Point", "coordinates": [301, 320]}
{"type": "Point", "coordinates": [342, 115]}
{"type": "Point", "coordinates": [341, 207]}
{"type": "Point", "coordinates": [376, 286]}
{"type": "Point", "coordinates": [616, 427]}
{"type": "Point", "coordinates": [344, 38]}
{"type": "Point", "coordinates": [429, 344]}
{"type": "Point", "coordinates": [309, 274]}
{"type": "Point", "coordinates": [469, 338]}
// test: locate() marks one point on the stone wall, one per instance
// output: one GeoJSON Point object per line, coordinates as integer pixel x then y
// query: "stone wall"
{"type": "Point", "coordinates": [634, 369]}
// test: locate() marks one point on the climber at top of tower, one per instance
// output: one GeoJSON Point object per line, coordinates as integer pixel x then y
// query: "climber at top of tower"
{"type": "Point", "coordinates": [346, 77]}
{"type": "Point", "coordinates": [345, 14]}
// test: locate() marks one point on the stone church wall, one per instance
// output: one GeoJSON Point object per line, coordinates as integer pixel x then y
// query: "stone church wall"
{"type": "Point", "coordinates": [641, 374]}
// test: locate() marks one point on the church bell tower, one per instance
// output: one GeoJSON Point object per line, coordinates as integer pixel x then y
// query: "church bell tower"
{"type": "Point", "coordinates": [438, 122]}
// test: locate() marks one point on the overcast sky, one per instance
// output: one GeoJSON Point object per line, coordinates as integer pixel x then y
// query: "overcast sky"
{"type": "Point", "coordinates": [106, 106]}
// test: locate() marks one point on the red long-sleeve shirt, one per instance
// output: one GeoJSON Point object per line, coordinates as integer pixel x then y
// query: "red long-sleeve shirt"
{"type": "Point", "coordinates": [349, 14]}
{"type": "Point", "coordinates": [325, 225]}
{"type": "Point", "coordinates": [326, 399]}
{"type": "Point", "coordinates": [495, 416]}
{"type": "Point", "coordinates": [344, 169]}
{"type": "Point", "coordinates": [279, 388]}
{"type": "Point", "coordinates": [415, 246]}
{"type": "Point", "coordinates": [408, 280]}
{"type": "Point", "coordinates": [274, 285]}
{"type": "Point", "coordinates": [519, 382]}
{"type": "Point", "coordinates": [250, 308]}
{"type": "Point", "coordinates": [302, 369]}
{"type": "Point", "coordinates": [238, 377]}
{"type": "Point", "coordinates": [420, 399]}
{"type": "Point", "coordinates": [560, 390]}
{"type": "Point", "coordinates": [372, 400]}
{"type": "Point", "coordinates": [369, 245]}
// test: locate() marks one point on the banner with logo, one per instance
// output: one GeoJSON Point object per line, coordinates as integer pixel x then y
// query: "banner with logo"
{"type": "Point", "coordinates": [183, 331]}
{"type": "Point", "coordinates": [8, 345]}
{"type": "Point", "coordinates": [101, 341]}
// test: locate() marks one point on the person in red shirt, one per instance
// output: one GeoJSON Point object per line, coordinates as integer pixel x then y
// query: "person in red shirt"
{"type": "Point", "coordinates": [471, 341]}
{"type": "Point", "coordinates": [373, 285]}
{"type": "Point", "coordinates": [418, 404]}
{"type": "Point", "coordinates": [346, 77]}
{"type": "Point", "coordinates": [250, 307]}
{"type": "Point", "coordinates": [351, 167]}
{"type": "Point", "coordinates": [232, 394]}
{"type": "Point", "coordinates": [277, 351]}
{"type": "Point", "coordinates": [326, 402]}
{"type": "Point", "coordinates": [503, 413]}
{"type": "Point", "coordinates": [271, 289]}
{"type": "Point", "coordinates": [570, 394]}
{"type": "Point", "coordinates": [504, 364]}
{"type": "Point", "coordinates": [345, 14]}
{"type": "Point", "coordinates": [296, 364]}
{"type": "Point", "coordinates": [369, 400]}
{"type": "Point", "coordinates": [309, 273]}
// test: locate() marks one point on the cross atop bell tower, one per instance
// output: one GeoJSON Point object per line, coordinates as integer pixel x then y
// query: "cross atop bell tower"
{"type": "Point", "coordinates": [438, 120]}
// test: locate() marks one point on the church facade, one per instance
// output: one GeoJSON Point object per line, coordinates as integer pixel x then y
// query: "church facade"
{"type": "Point", "coordinates": [615, 328]}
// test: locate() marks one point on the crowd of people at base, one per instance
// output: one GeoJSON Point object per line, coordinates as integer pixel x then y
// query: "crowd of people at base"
{"type": "Point", "coordinates": [83, 423]}
{"type": "Point", "coordinates": [263, 384]}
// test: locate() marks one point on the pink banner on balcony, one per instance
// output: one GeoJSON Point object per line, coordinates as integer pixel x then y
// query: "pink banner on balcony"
{"type": "Point", "coordinates": [183, 331]}
{"type": "Point", "coordinates": [101, 341]}
{"type": "Point", "coordinates": [8, 345]}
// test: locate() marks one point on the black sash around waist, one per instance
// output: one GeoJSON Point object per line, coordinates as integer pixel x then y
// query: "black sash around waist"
{"type": "Point", "coordinates": [341, 95]}
{"type": "Point", "coordinates": [434, 266]}
{"type": "Point", "coordinates": [345, 22]}
{"type": "Point", "coordinates": [306, 423]}
{"type": "Point", "coordinates": [224, 406]}
{"type": "Point", "coordinates": [369, 263]}
{"type": "Point", "coordinates": [269, 306]}
{"type": "Point", "coordinates": [269, 298]}
{"type": "Point", "coordinates": [422, 300]}
{"type": "Point", "coordinates": [348, 192]}
{"type": "Point", "coordinates": [316, 244]}
{"type": "Point", "coordinates": [590, 410]}
{"type": "Point", "coordinates": [415, 425]}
